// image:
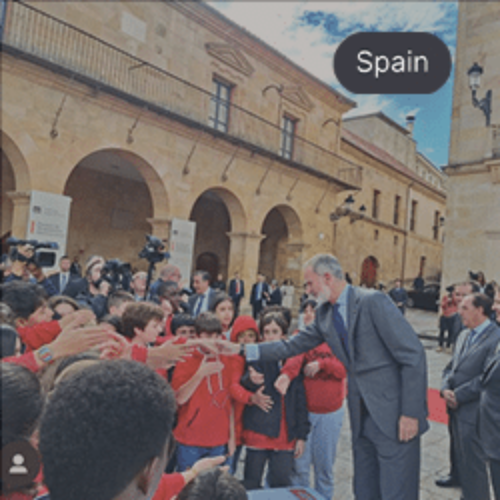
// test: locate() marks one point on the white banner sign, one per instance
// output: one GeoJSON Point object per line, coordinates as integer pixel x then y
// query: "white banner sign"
{"type": "Point", "coordinates": [182, 234]}
{"type": "Point", "coordinates": [48, 220]}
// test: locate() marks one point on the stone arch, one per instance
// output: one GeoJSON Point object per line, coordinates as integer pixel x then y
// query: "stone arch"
{"type": "Point", "coordinates": [118, 197]}
{"type": "Point", "coordinates": [156, 186]}
{"type": "Point", "coordinates": [209, 262]}
{"type": "Point", "coordinates": [369, 272]}
{"type": "Point", "coordinates": [280, 255]}
{"type": "Point", "coordinates": [218, 214]}
{"type": "Point", "coordinates": [16, 186]}
{"type": "Point", "coordinates": [237, 214]}
{"type": "Point", "coordinates": [17, 161]}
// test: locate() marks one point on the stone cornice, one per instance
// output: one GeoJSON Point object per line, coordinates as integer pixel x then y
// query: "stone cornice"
{"type": "Point", "coordinates": [487, 166]}
{"type": "Point", "coordinates": [477, 166]}
{"type": "Point", "coordinates": [410, 177]}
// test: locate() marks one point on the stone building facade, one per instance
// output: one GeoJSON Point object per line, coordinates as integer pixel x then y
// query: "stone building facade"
{"type": "Point", "coordinates": [473, 205]}
{"type": "Point", "coordinates": [144, 112]}
{"type": "Point", "coordinates": [404, 196]}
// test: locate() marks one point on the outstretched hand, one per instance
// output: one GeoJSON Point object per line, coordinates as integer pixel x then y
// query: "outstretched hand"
{"type": "Point", "coordinates": [74, 339]}
{"type": "Point", "coordinates": [168, 354]}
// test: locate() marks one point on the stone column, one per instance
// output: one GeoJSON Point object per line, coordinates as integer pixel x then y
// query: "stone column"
{"type": "Point", "coordinates": [294, 265]}
{"type": "Point", "coordinates": [20, 212]}
{"type": "Point", "coordinates": [244, 253]}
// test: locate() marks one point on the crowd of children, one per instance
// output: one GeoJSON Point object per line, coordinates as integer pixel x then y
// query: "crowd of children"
{"type": "Point", "coordinates": [222, 405]}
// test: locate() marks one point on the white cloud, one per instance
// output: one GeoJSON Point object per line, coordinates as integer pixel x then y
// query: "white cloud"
{"type": "Point", "coordinates": [281, 25]}
{"type": "Point", "coordinates": [368, 104]}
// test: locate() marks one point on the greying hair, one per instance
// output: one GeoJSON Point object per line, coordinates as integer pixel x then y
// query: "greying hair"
{"type": "Point", "coordinates": [325, 263]}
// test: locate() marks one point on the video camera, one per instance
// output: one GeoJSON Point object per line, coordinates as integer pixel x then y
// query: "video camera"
{"type": "Point", "coordinates": [474, 276]}
{"type": "Point", "coordinates": [118, 274]}
{"type": "Point", "coordinates": [40, 258]}
{"type": "Point", "coordinates": [152, 251]}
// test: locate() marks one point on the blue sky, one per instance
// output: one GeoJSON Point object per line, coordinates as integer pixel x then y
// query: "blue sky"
{"type": "Point", "coordinates": [309, 32]}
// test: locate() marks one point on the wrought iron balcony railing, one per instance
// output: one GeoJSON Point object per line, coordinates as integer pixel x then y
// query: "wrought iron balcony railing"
{"type": "Point", "coordinates": [30, 33]}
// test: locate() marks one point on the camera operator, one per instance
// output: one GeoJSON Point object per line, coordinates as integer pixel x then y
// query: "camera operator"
{"type": "Point", "coordinates": [24, 260]}
{"type": "Point", "coordinates": [18, 257]}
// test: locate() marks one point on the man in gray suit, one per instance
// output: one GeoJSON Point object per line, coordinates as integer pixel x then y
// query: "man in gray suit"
{"type": "Point", "coordinates": [461, 390]}
{"type": "Point", "coordinates": [387, 377]}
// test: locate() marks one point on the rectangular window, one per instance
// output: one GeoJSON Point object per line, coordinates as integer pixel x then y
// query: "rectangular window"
{"type": "Point", "coordinates": [376, 204]}
{"type": "Point", "coordinates": [413, 216]}
{"type": "Point", "coordinates": [219, 106]}
{"type": "Point", "coordinates": [287, 137]}
{"type": "Point", "coordinates": [435, 227]}
{"type": "Point", "coordinates": [397, 204]}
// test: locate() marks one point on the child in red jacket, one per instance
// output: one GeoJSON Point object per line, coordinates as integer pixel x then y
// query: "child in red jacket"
{"type": "Point", "coordinates": [244, 331]}
{"type": "Point", "coordinates": [205, 424]}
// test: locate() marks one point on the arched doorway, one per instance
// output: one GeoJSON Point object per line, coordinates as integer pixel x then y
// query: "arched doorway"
{"type": "Point", "coordinates": [369, 272]}
{"type": "Point", "coordinates": [111, 202]}
{"type": "Point", "coordinates": [208, 262]}
{"type": "Point", "coordinates": [281, 249]}
{"type": "Point", "coordinates": [213, 222]}
{"type": "Point", "coordinates": [8, 184]}
{"type": "Point", "coordinates": [15, 177]}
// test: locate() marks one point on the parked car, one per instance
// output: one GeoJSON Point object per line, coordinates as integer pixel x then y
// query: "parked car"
{"type": "Point", "coordinates": [427, 298]}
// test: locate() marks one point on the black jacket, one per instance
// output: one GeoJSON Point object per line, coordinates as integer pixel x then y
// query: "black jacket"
{"type": "Point", "coordinates": [257, 420]}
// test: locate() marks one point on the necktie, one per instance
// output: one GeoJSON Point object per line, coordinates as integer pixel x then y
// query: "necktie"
{"type": "Point", "coordinates": [198, 305]}
{"type": "Point", "coordinates": [338, 323]}
{"type": "Point", "coordinates": [237, 287]}
{"type": "Point", "coordinates": [64, 280]}
{"type": "Point", "coordinates": [469, 342]}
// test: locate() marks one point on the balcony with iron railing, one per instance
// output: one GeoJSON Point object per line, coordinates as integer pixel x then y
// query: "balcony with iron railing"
{"type": "Point", "coordinates": [42, 39]}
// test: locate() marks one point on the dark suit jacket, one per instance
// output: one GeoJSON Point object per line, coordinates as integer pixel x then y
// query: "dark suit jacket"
{"type": "Point", "coordinates": [463, 372]}
{"type": "Point", "coordinates": [253, 295]}
{"type": "Point", "coordinates": [232, 289]}
{"type": "Point", "coordinates": [269, 423]}
{"type": "Point", "coordinates": [489, 407]}
{"type": "Point", "coordinates": [193, 299]}
{"type": "Point", "coordinates": [76, 287]}
{"type": "Point", "coordinates": [275, 298]}
{"type": "Point", "coordinates": [387, 369]}
{"type": "Point", "coordinates": [55, 279]}
{"type": "Point", "coordinates": [399, 295]}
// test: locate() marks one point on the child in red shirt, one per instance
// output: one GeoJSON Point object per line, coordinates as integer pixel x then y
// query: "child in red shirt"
{"type": "Point", "coordinates": [205, 423]}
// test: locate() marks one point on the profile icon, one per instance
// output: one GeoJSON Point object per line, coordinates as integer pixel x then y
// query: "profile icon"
{"type": "Point", "coordinates": [20, 465]}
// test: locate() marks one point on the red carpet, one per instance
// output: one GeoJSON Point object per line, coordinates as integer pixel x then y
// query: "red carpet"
{"type": "Point", "coordinates": [437, 407]}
